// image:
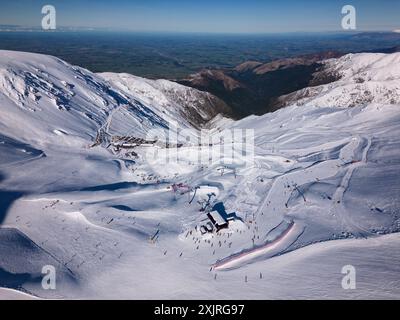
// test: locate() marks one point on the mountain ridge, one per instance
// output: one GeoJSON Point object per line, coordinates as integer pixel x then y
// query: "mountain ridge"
{"type": "Point", "coordinates": [257, 88]}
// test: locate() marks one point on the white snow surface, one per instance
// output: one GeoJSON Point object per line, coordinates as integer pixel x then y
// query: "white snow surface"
{"type": "Point", "coordinates": [170, 100]}
{"type": "Point", "coordinates": [323, 191]}
{"type": "Point", "coordinates": [364, 78]}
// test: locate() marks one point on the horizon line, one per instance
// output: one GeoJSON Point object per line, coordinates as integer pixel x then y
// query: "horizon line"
{"type": "Point", "coordinates": [21, 28]}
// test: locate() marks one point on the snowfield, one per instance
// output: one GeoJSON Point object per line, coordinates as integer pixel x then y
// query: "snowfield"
{"type": "Point", "coordinates": [364, 78]}
{"type": "Point", "coordinates": [85, 187]}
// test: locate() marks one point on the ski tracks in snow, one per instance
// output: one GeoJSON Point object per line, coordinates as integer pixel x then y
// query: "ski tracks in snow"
{"type": "Point", "coordinates": [338, 206]}
{"type": "Point", "coordinates": [275, 203]}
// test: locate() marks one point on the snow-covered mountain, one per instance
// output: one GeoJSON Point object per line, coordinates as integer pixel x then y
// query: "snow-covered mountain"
{"type": "Point", "coordinates": [361, 79]}
{"type": "Point", "coordinates": [79, 191]}
{"type": "Point", "coordinates": [44, 98]}
{"type": "Point", "coordinates": [170, 98]}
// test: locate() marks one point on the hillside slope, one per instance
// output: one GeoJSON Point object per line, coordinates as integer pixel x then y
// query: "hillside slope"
{"type": "Point", "coordinates": [252, 87]}
{"type": "Point", "coordinates": [170, 98]}
{"type": "Point", "coordinates": [361, 79]}
{"type": "Point", "coordinates": [43, 97]}
{"type": "Point", "coordinates": [306, 189]}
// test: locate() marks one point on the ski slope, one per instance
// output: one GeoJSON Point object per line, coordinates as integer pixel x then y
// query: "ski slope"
{"type": "Point", "coordinates": [84, 189]}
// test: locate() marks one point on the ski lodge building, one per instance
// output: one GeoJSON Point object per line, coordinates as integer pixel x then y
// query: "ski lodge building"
{"type": "Point", "coordinates": [217, 220]}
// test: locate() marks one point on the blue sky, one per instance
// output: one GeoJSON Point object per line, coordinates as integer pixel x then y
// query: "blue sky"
{"type": "Point", "coordinates": [236, 16]}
